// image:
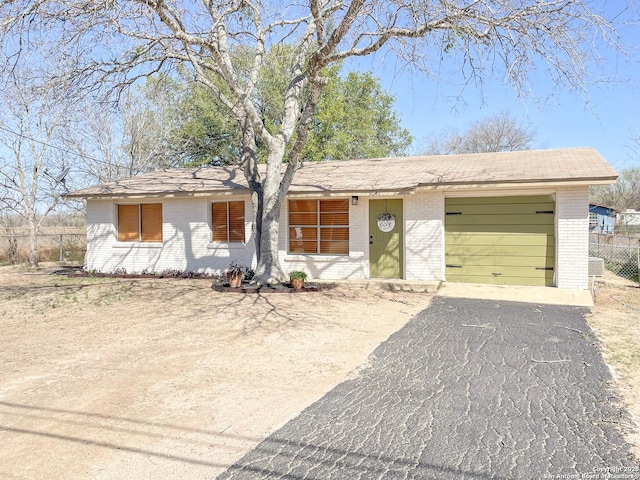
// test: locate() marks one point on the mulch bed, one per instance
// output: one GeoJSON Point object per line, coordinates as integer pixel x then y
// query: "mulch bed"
{"type": "Point", "coordinates": [73, 271]}
{"type": "Point", "coordinates": [222, 286]}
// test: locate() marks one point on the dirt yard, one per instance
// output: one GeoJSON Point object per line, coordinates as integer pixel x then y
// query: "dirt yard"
{"type": "Point", "coordinates": [616, 321]}
{"type": "Point", "coordinates": [111, 378]}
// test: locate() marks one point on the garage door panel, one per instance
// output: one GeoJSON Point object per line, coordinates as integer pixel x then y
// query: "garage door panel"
{"type": "Point", "coordinates": [498, 228]}
{"type": "Point", "coordinates": [485, 219]}
{"type": "Point", "coordinates": [516, 209]}
{"type": "Point", "coordinates": [530, 261]}
{"type": "Point", "coordinates": [500, 240]}
{"type": "Point", "coordinates": [455, 239]}
{"type": "Point", "coordinates": [544, 281]}
{"type": "Point", "coordinates": [537, 199]}
{"type": "Point", "coordinates": [504, 271]}
{"type": "Point", "coordinates": [508, 251]}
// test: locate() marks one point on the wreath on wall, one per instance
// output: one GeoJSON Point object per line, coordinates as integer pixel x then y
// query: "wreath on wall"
{"type": "Point", "coordinates": [386, 222]}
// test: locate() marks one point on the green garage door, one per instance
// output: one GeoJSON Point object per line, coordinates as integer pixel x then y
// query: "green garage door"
{"type": "Point", "coordinates": [500, 240]}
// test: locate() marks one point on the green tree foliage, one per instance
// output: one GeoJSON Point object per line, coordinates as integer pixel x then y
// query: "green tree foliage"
{"type": "Point", "coordinates": [205, 134]}
{"type": "Point", "coordinates": [354, 119]}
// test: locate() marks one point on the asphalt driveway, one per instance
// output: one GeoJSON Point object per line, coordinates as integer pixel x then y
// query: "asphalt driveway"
{"type": "Point", "coordinates": [469, 388]}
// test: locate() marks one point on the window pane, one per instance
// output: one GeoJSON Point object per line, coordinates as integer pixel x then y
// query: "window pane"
{"type": "Point", "coordinates": [151, 222]}
{"type": "Point", "coordinates": [334, 234]}
{"type": "Point", "coordinates": [334, 241]}
{"type": "Point", "coordinates": [303, 218]}
{"type": "Point", "coordinates": [335, 247]}
{"type": "Point", "coordinates": [303, 212]}
{"type": "Point", "coordinates": [303, 240]}
{"type": "Point", "coordinates": [128, 223]}
{"type": "Point", "coordinates": [236, 222]}
{"type": "Point", "coordinates": [219, 221]}
{"type": "Point", "coordinates": [334, 218]}
{"type": "Point", "coordinates": [341, 205]}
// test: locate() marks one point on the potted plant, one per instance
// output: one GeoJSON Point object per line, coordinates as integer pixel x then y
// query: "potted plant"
{"type": "Point", "coordinates": [297, 278]}
{"type": "Point", "coordinates": [234, 273]}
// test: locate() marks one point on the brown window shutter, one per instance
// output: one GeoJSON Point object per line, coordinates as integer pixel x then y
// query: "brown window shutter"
{"type": "Point", "coordinates": [334, 212]}
{"type": "Point", "coordinates": [219, 221]}
{"type": "Point", "coordinates": [128, 223]}
{"type": "Point", "coordinates": [303, 212]}
{"type": "Point", "coordinates": [334, 241]}
{"type": "Point", "coordinates": [236, 222]}
{"type": "Point", "coordinates": [303, 240]}
{"type": "Point", "coordinates": [151, 222]}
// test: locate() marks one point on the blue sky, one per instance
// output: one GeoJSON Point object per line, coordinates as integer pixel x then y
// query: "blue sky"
{"type": "Point", "coordinates": [607, 120]}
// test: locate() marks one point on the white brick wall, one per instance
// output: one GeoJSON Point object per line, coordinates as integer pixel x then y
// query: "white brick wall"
{"type": "Point", "coordinates": [424, 236]}
{"type": "Point", "coordinates": [187, 232]}
{"type": "Point", "coordinates": [572, 237]}
{"type": "Point", "coordinates": [186, 244]}
{"type": "Point", "coordinates": [423, 241]}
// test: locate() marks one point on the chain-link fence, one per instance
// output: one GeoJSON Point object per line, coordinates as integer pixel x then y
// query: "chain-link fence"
{"type": "Point", "coordinates": [624, 261]}
{"type": "Point", "coordinates": [52, 247]}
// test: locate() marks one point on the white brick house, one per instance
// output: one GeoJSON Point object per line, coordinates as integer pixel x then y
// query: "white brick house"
{"type": "Point", "coordinates": [506, 218]}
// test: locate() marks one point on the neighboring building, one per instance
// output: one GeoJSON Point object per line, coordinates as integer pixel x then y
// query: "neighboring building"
{"type": "Point", "coordinates": [630, 220]}
{"type": "Point", "coordinates": [602, 219]}
{"type": "Point", "coordinates": [504, 218]}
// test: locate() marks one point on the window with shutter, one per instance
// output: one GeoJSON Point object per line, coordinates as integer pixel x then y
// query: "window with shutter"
{"type": "Point", "coordinates": [140, 222]}
{"type": "Point", "coordinates": [151, 222]}
{"type": "Point", "coordinates": [227, 221]}
{"type": "Point", "coordinates": [319, 226]}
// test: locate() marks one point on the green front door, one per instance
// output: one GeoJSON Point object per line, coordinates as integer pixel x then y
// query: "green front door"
{"type": "Point", "coordinates": [385, 247]}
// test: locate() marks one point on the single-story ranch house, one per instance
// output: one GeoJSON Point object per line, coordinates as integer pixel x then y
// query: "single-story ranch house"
{"type": "Point", "coordinates": [518, 218]}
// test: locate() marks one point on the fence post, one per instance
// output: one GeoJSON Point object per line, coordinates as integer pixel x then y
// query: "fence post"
{"type": "Point", "coordinates": [61, 258]}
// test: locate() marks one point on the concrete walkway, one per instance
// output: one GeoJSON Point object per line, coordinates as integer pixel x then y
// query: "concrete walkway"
{"type": "Point", "coordinates": [477, 389]}
{"type": "Point", "coordinates": [542, 295]}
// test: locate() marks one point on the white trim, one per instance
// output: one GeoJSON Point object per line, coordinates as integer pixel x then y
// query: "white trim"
{"type": "Point", "coordinates": [318, 258]}
{"type": "Point", "coordinates": [504, 192]}
{"type": "Point", "coordinates": [137, 244]}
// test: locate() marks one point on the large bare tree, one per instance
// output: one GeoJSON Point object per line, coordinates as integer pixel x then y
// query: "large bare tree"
{"type": "Point", "coordinates": [32, 162]}
{"type": "Point", "coordinates": [496, 133]}
{"type": "Point", "coordinates": [120, 141]}
{"type": "Point", "coordinates": [117, 42]}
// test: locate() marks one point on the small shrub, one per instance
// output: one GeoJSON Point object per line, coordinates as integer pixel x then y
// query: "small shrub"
{"type": "Point", "coordinates": [249, 274]}
{"type": "Point", "coordinates": [298, 275]}
{"type": "Point", "coordinates": [171, 272]}
{"type": "Point", "coordinates": [234, 269]}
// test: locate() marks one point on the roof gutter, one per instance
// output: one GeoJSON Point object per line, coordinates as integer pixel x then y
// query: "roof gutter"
{"type": "Point", "coordinates": [582, 182]}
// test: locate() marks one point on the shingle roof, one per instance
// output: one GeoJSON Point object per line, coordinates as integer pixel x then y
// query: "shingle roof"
{"type": "Point", "coordinates": [584, 165]}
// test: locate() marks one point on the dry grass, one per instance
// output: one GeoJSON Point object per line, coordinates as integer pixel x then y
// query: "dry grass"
{"type": "Point", "coordinates": [108, 378]}
{"type": "Point", "coordinates": [616, 321]}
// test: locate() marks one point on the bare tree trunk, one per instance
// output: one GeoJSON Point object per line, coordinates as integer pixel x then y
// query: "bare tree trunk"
{"type": "Point", "coordinates": [32, 260]}
{"type": "Point", "coordinates": [269, 270]}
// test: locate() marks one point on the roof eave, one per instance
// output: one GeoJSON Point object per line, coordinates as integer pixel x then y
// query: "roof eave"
{"type": "Point", "coordinates": [565, 182]}
{"type": "Point", "coordinates": [139, 195]}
